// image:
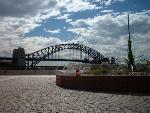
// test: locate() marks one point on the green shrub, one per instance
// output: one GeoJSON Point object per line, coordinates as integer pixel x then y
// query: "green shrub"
{"type": "Point", "coordinates": [100, 70]}
{"type": "Point", "coordinates": [142, 68]}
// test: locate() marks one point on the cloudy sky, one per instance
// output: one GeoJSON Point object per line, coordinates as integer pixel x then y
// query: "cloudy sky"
{"type": "Point", "coordinates": [100, 24]}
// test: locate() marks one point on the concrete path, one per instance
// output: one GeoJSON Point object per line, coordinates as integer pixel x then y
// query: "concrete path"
{"type": "Point", "coordinates": [39, 94]}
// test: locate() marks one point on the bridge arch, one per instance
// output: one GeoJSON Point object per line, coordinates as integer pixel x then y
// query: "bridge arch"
{"type": "Point", "coordinates": [44, 54]}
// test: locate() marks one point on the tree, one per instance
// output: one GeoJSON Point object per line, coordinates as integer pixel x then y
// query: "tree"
{"type": "Point", "coordinates": [113, 60]}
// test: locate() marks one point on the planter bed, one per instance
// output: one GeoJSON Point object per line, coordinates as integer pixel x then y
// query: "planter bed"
{"type": "Point", "coordinates": [105, 83]}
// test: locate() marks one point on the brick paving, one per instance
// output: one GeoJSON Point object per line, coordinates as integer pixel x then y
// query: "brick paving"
{"type": "Point", "coordinates": [39, 94]}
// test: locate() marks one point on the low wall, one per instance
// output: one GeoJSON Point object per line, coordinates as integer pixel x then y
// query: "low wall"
{"type": "Point", "coordinates": [106, 83]}
{"type": "Point", "coordinates": [26, 72]}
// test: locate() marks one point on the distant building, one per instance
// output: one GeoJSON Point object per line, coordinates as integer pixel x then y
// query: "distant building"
{"type": "Point", "coordinates": [19, 56]}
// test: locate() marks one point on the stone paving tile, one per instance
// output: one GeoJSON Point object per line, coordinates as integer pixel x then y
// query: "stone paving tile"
{"type": "Point", "coordinates": [35, 94]}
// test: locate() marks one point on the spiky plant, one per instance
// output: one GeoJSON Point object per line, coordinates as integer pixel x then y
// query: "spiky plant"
{"type": "Point", "coordinates": [131, 66]}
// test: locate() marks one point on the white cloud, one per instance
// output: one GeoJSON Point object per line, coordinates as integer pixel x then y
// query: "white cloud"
{"type": "Point", "coordinates": [20, 26]}
{"type": "Point", "coordinates": [79, 31]}
{"type": "Point", "coordinates": [21, 8]}
{"type": "Point", "coordinates": [65, 16]}
{"type": "Point", "coordinates": [30, 44]}
{"type": "Point", "coordinates": [12, 34]}
{"type": "Point", "coordinates": [106, 2]}
{"type": "Point", "coordinates": [17, 26]}
{"type": "Point", "coordinates": [119, 0]}
{"type": "Point", "coordinates": [108, 33]}
{"type": "Point", "coordinates": [107, 11]}
{"type": "Point", "coordinates": [79, 22]}
{"type": "Point", "coordinates": [75, 5]}
{"type": "Point", "coordinates": [68, 20]}
{"type": "Point", "coordinates": [52, 31]}
{"type": "Point", "coordinates": [49, 13]}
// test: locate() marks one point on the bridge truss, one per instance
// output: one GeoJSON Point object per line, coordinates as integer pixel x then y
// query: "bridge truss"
{"type": "Point", "coordinates": [47, 54]}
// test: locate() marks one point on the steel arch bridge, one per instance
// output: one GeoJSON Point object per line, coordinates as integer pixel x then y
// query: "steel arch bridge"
{"type": "Point", "coordinates": [34, 58]}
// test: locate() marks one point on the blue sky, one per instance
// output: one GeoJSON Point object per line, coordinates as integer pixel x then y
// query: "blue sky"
{"type": "Point", "coordinates": [100, 24]}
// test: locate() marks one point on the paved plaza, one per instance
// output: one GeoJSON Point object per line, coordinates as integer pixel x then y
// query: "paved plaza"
{"type": "Point", "coordinates": [39, 94]}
